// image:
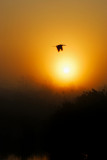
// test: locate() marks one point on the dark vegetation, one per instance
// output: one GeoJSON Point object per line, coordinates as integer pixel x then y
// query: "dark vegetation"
{"type": "Point", "coordinates": [75, 130]}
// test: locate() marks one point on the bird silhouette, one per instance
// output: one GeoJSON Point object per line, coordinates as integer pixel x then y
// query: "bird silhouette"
{"type": "Point", "coordinates": [60, 47]}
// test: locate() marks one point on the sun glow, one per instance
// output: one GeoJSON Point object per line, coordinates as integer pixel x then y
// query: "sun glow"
{"type": "Point", "coordinates": [66, 71]}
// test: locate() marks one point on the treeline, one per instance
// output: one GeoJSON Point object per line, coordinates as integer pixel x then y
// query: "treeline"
{"type": "Point", "coordinates": [75, 130]}
{"type": "Point", "coordinates": [78, 129]}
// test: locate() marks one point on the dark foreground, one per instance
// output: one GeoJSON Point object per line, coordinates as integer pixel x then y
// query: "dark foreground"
{"type": "Point", "coordinates": [75, 131]}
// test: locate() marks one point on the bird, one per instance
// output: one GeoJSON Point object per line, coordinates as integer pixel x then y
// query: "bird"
{"type": "Point", "coordinates": [60, 47]}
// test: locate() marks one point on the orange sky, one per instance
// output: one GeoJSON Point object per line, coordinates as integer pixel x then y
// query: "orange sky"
{"type": "Point", "coordinates": [29, 29]}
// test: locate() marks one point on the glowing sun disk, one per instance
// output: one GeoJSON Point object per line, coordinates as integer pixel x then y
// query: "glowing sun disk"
{"type": "Point", "coordinates": [66, 70]}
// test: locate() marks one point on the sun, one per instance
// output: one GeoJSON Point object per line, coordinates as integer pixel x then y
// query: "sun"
{"type": "Point", "coordinates": [66, 70]}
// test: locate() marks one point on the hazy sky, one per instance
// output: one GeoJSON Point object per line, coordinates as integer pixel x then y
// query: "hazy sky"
{"type": "Point", "coordinates": [29, 29]}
